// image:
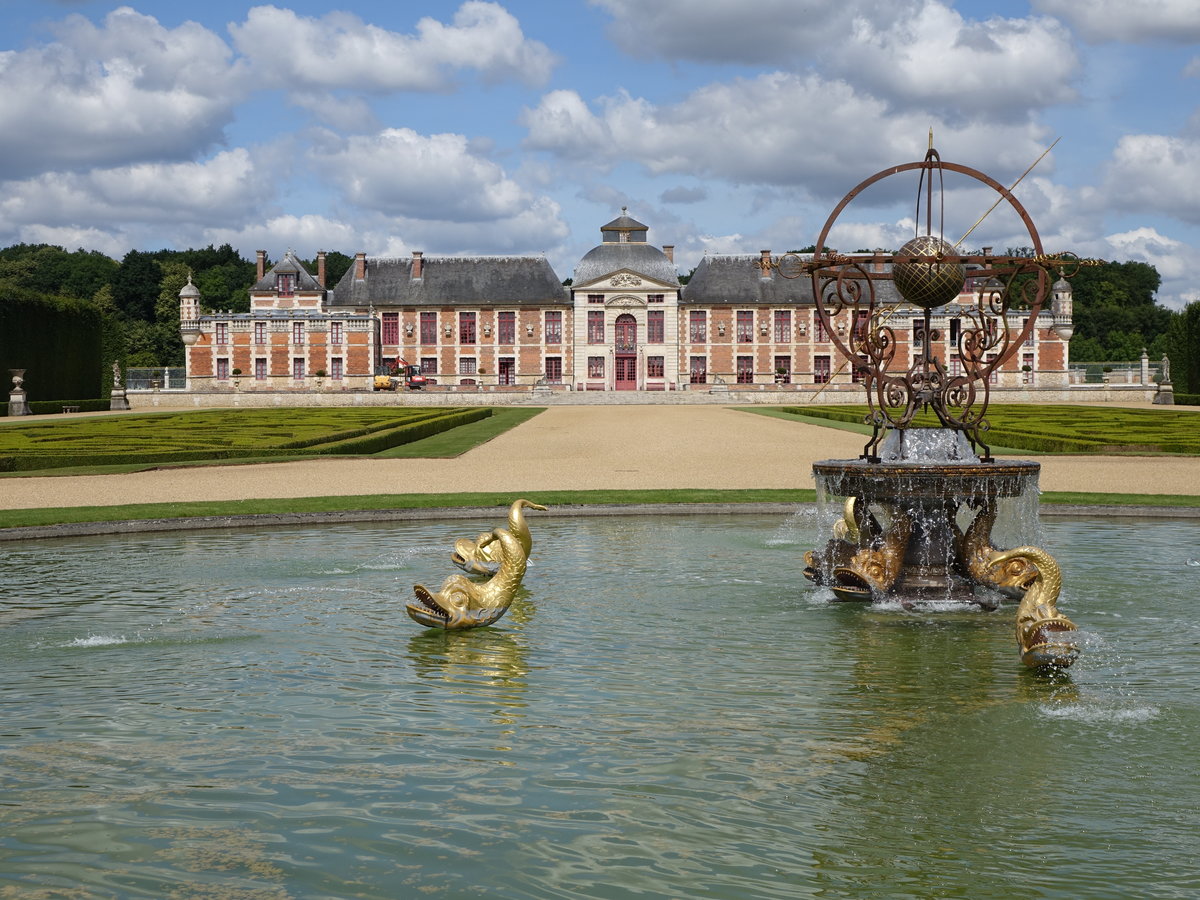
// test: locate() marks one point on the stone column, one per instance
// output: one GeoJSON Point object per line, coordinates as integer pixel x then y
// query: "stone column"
{"type": "Point", "coordinates": [1145, 367]}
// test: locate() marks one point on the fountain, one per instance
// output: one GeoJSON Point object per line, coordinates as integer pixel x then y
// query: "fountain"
{"type": "Point", "coordinates": [920, 503]}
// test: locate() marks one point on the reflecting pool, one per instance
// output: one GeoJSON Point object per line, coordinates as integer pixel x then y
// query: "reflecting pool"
{"type": "Point", "coordinates": [670, 712]}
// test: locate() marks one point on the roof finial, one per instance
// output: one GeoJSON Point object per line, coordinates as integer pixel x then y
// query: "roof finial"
{"type": "Point", "coordinates": [624, 210]}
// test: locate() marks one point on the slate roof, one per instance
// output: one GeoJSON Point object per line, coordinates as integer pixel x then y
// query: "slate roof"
{"type": "Point", "coordinates": [289, 265]}
{"type": "Point", "coordinates": [738, 281]}
{"type": "Point", "coordinates": [634, 230]}
{"type": "Point", "coordinates": [453, 280]}
{"type": "Point", "coordinates": [643, 259]}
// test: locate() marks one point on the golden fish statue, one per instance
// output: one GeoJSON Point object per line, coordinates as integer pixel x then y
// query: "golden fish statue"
{"type": "Point", "coordinates": [463, 603]}
{"type": "Point", "coordinates": [1043, 633]}
{"type": "Point", "coordinates": [481, 556]}
{"type": "Point", "coordinates": [862, 559]}
{"type": "Point", "coordinates": [975, 553]}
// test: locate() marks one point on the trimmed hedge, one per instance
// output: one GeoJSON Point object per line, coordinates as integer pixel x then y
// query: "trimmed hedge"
{"type": "Point", "coordinates": [45, 407]}
{"type": "Point", "coordinates": [1187, 399]}
{"type": "Point", "coordinates": [1059, 428]}
{"type": "Point", "coordinates": [57, 340]}
{"type": "Point", "coordinates": [67, 442]}
{"type": "Point", "coordinates": [403, 434]}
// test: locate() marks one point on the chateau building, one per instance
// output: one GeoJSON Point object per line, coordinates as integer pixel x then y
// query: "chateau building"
{"type": "Point", "coordinates": [624, 323]}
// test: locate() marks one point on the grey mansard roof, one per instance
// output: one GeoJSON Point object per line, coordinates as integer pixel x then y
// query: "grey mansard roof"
{"type": "Point", "coordinates": [453, 280]}
{"type": "Point", "coordinates": [738, 281]}
{"type": "Point", "coordinates": [642, 259]}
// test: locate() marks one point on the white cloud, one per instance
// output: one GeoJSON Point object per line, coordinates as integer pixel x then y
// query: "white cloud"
{"type": "Point", "coordinates": [339, 50]}
{"type": "Point", "coordinates": [400, 172]}
{"type": "Point", "coordinates": [769, 31]}
{"type": "Point", "coordinates": [1175, 261]}
{"type": "Point", "coordinates": [228, 186]}
{"type": "Point", "coordinates": [124, 91]}
{"type": "Point", "coordinates": [305, 234]}
{"type": "Point", "coordinates": [777, 129]}
{"type": "Point", "coordinates": [440, 192]}
{"type": "Point", "coordinates": [904, 51]}
{"type": "Point", "coordinates": [1128, 21]}
{"type": "Point", "coordinates": [1166, 254]}
{"type": "Point", "coordinates": [970, 69]}
{"type": "Point", "coordinates": [1155, 172]}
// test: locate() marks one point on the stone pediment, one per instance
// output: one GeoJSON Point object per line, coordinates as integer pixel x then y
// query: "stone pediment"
{"type": "Point", "coordinates": [626, 280]}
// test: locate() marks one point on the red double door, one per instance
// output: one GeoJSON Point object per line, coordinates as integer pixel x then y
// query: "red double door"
{"type": "Point", "coordinates": [625, 376]}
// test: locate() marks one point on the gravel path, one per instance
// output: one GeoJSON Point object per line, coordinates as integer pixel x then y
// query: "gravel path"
{"type": "Point", "coordinates": [577, 448]}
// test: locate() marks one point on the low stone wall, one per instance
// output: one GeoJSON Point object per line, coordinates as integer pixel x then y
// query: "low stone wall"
{"type": "Point", "coordinates": [712, 394]}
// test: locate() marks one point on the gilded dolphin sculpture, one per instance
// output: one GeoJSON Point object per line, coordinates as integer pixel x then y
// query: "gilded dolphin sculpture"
{"type": "Point", "coordinates": [463, 603]}
{"type": "Point", "coordinates": [863, 558]}
{"type": "Point", "coordinates": [856, 527]}
{"type": "Point", "coordinates": [1042, 632]}
{"type": "Point", "coordinates": [877, 565]}
{"type": "Point", "coordinates": [481, 556]}
{"type": "Point", "coordinates": [975, 555]}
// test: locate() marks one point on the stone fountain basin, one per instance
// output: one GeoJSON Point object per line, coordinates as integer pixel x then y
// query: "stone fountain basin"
{"type": "Point", "coordinates": [963, 482]}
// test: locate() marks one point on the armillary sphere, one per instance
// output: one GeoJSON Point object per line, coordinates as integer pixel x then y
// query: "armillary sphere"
{"type": "Point", "coordinates": [928, 272]}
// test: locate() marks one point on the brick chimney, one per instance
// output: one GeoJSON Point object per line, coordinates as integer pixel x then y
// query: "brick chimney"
{"type": "Point", "coordinates": [321, 268]}
{"type": "Point", "coordinates": [669, 251]}
{"type": "Point", "coordinates": [262, 264]}
{"type": "Point", "coordinates": [764, 262]}
{"type": "Point", "coordinates": [360, 266]}
{"type": "Point", "coordinates": [418, 265]}
{"type": "Point", "coordinates": [877, 261]}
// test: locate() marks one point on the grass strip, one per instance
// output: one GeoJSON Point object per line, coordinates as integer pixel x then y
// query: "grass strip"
{"type": "Point", "coordinates": [16, 518]}
{"type": "Point", "coordinates": [457, 441]}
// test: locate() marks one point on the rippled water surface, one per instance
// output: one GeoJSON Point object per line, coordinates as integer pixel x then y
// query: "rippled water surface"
{"type": "Point", "coordinates": [670, 711]}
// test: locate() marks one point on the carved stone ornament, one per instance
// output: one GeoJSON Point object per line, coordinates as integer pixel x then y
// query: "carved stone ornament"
{"type": "Point", "coordinates": [626, 302]}
{"type": "Point", "coordinates": [626, 280]}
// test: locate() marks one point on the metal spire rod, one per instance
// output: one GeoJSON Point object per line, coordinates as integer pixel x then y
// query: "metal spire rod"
{"type": "Point", "coordinates": [979, 221]}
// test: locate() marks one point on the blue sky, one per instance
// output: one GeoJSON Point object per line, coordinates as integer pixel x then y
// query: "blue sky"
{"type": "Point", "coordinates": [521, 126]}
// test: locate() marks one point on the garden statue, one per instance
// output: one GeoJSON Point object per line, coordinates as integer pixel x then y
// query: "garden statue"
{"type": "Point", "coordinates": [463, 603]}
{"type": "Point", "coordinates": [481, 556]}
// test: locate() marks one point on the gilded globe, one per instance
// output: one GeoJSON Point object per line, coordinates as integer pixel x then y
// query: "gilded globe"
{"type": "Point", "coordinates": [928, 284]}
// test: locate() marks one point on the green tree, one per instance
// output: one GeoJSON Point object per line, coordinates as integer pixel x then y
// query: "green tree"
{"type": "Point", "coordinates": [1183, 349]}
{"type": "Point", "coordinates": [168, 344]}
{"type": "Point", "coordinates": [1115, 309]}
{"type": "Point", "coordinates": [136, 285]}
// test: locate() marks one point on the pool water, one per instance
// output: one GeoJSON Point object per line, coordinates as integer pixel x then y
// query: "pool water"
{"type": "Point", "coordinates": [670, 711]}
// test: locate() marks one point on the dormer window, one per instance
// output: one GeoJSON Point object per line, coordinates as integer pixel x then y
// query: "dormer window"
{"type": "Point", "coordinates": [285, 284]}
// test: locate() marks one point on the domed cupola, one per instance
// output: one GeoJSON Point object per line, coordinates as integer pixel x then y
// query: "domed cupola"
{"type": "Point", "coordinates": [625, 249]}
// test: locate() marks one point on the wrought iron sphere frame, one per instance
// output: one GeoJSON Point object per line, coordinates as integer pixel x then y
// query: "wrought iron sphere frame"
{"type": "Point", "coordinates": [894, 397]}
